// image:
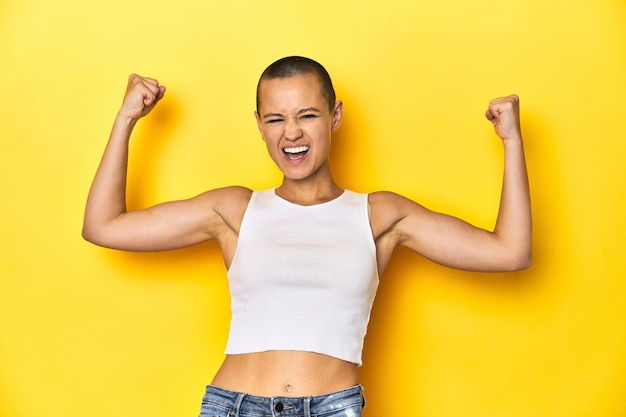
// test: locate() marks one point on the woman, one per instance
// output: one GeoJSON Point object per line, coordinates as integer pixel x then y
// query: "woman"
{"type": "Point", "coordinates": [304, 258]}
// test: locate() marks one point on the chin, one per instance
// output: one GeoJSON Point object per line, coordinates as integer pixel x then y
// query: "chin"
{"type": "Point", "coordinates": [295, 177]}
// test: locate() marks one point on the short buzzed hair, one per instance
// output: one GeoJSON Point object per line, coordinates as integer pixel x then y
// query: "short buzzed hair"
{"type": "Point", "coordinates": [297, 65]}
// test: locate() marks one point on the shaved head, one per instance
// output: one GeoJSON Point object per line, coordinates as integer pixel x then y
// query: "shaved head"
{"type": "Point", "coordinates": [298, 65]}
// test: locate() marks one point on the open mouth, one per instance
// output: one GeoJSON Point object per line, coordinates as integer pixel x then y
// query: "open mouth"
{"type": "Point", "coordinates": [296, 152]}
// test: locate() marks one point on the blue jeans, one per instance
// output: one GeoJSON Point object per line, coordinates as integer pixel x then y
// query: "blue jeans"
{"type": "Point", "coordinates": [218, 402]}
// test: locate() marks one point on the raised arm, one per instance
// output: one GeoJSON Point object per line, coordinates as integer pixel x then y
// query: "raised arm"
{"type": "Point", "coordinates": [453, 242]}
{"type": "Point", "coordinates": [165, 226]}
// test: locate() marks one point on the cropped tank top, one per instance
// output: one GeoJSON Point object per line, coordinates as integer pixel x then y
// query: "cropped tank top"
{"type": "Point", "coordinates": [303, 277]}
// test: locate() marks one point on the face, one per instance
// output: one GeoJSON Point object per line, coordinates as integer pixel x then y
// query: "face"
{"type": "Point", "coordinates": [296, 124]}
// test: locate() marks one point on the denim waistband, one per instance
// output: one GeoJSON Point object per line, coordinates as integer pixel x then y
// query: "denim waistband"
{"type": "Point", "coordinates": [251, 405]}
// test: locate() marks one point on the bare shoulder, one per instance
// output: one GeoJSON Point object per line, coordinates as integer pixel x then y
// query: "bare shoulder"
{"type": "Point", "coordinates": [389, 214]}
{"type": "Point", "coordinates": [228, 203]}
{"type": "Point", "coordinates": [387, 209]}
{"type": "Point", "coordinates": [387, 204]}
{"type": "Point", "coordinates": [392, 212]}
{"type": "Point", "coordinates": [233, 196]}
{"type": "Point", "coordinates": [385, 199]}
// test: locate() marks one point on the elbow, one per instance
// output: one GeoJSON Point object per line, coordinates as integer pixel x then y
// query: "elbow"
{"type": "Point", "coordinates": [94, 230]}
{"type": "Point", "coordinates": [520, 262]}
{"type": "Point", "coordinates": [87, 234]}
{"type": "Point", "coordinates": [90, 235]}
{"type": "Point", "coordinates": [523, 265]}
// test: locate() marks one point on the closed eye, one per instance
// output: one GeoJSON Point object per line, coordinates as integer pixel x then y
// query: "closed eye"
{"type": "Point", "coordinates": [308, 116]}
{"type": "Point", "coordinates": [304, 115]}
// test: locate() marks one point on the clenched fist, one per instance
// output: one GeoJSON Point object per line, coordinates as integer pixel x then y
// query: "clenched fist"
{"type": "Point", "coordinates": [504, 114]}
{"type": "Point", "coordinates": [142, 94]}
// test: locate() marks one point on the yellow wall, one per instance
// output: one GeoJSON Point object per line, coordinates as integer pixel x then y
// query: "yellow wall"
{"type": "Point", "coordinates": [88, 331]}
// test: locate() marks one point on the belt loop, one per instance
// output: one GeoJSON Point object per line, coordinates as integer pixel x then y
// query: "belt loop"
{"type": "Point", "coordinates": [238, 404]}
{"type": "Point", "coordinates": [307, 407]}
{"type": "Point", "coordinates": [362, 392]}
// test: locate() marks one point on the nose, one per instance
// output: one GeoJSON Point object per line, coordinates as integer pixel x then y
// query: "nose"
{"type": "Point", "coordinates": [292, 128]}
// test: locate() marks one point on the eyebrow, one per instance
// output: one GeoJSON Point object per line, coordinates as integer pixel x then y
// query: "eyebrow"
{"type": "Point", "coordinates": [308, 109]}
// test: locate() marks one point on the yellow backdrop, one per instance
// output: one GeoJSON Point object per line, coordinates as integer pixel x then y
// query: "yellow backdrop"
{"type": "Point", "coordinates": [89, 331]}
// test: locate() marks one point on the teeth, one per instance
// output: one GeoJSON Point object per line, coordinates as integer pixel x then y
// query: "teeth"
{"type": "Point", "coordinates": [296, 149]}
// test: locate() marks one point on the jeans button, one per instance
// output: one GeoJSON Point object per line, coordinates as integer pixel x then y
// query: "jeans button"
{"type": "Point", "coordinates": [279, 407]}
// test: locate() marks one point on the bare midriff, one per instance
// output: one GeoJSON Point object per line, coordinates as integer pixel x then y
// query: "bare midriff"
{"type": "Point", "coordinates": [285, 373]}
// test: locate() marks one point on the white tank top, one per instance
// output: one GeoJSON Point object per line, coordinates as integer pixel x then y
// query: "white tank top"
{"type": "Point", "coordinates": [303, 277]}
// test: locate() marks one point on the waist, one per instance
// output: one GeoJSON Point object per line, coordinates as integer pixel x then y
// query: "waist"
{"type": "Point", "coordinates": [246, 404]}
{"type": "Point", "coordinates": [286, 373]}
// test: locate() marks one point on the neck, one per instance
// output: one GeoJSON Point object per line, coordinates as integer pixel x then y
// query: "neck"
{"type": "Point", "coordinates": [309, 191]}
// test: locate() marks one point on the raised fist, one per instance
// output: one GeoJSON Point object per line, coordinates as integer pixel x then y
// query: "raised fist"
{"type": "Point", "coordinates": [142, 94]}
{"type": "Point", "coordinates": [504, 114]}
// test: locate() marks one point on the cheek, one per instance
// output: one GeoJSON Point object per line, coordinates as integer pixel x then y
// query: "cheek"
{"type": "Point", "coordinates": [320, 133]}
{"type": "Point", "coordinates": [324, 135]}
{"type": "Point", "coordinates": [272, 148]}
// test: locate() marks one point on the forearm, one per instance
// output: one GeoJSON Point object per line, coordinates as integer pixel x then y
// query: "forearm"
{"type": "Point", "coordinates": [514, 223]}
{"type": "Point", "coordinates": [453, 242]}
{"type": "Point", "coordinates": [107, 196]}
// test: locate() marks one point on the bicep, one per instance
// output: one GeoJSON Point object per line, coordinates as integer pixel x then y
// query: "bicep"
{"type": "Point", "coordinates": [450, 241]}
{"type": "Point", "coordinates": [165, 226]}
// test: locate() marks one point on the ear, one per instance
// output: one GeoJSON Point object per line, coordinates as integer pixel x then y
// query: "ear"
{"type": "Point", "coordinates": [258, 123]}
{"type": "Point", "coordinates": [337, 115]}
